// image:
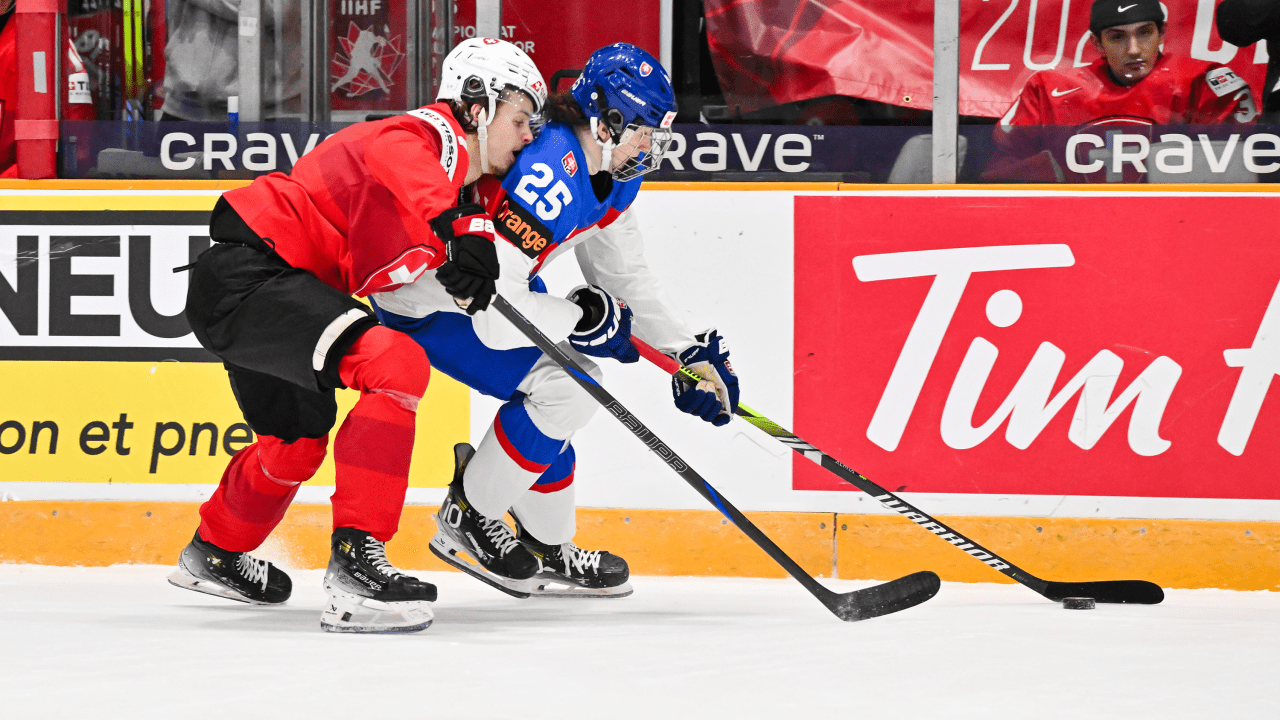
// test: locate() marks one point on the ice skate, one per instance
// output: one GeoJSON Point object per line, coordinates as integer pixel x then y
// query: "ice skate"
{"type": "Point", "coordinates": [482, 547]}
{"type": "Point", "coordinates": [567, 570]}
{"type": "Point", "coordinates": [367, 594]}
{"type": "Point", "coordinates": [207, 568]}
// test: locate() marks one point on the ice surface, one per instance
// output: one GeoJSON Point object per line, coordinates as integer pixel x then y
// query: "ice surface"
{"type": "Point", "coordinates": [120, 642]}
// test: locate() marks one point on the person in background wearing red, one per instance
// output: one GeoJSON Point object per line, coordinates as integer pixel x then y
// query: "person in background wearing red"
{"type": "Point", "coordinates": [77, 102]}
{"type": "Point", "coordinates": [1132, 84]}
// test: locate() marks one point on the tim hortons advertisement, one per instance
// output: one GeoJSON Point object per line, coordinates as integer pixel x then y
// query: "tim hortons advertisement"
{"type": "Point", "coordinates": [1101, 345]}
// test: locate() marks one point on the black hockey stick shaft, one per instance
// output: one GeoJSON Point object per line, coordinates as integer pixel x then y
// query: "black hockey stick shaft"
{"type": "Point", "coordinates": [869, 602]}
{"type": "Point", "coordinates": [1107, 591]}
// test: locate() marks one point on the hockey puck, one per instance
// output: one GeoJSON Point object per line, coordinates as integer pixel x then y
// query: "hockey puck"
{"type": "Point", "coordinates": [1078, 603]}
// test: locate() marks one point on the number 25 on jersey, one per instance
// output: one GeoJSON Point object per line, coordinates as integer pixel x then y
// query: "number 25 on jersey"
{"type": "Point", "coordinates": [547, 207]}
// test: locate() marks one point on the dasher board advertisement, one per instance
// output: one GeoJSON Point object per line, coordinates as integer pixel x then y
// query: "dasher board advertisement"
{"type": "Point", "coordinates": [104, 381]}
{"type": "Point", "coordinates": [1087, 345]}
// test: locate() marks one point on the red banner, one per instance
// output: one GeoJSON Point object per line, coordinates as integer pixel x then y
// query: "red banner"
{"type": "Point", "coordinates": [768, 53]}
{"type": "Point", "coordinates": [368, 47]}
{"type": "Point", "coordinates": [555, 44]}
{"type": "Point", "coordinates": [1100, 345]}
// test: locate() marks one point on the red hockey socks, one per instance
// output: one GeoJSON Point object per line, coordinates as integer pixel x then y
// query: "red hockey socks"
{"type": "Point", "coordinates": [256, 489]}
{"type": "Point", "coordinates": [371, 450]}
{"type": "Point", "coordinates": [373, 447]}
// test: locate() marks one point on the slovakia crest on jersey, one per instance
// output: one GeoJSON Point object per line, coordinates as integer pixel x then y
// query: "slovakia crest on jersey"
{"type": "Point", "coordinates": [645, 69]}
{"type": "Point", "coordinates": [570, 163]}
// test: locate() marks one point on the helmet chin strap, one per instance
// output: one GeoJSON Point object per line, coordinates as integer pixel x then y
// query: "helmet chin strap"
{"type": "Point", "coordinates": [606, 147]}
{"type": "Point", "coordinates": [482, 134]}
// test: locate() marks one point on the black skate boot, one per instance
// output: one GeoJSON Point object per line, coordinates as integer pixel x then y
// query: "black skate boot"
{"type": "Point", "coordinates": [207, 568]}
{"type": "Point", "coordinates": [367, 594]}
{"type": "Point", "coordinates": [495, 557]}
{"type": "Point", "coordinates": [569, 571]}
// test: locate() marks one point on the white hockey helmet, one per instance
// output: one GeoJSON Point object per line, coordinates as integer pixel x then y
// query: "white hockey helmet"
{"type": "Point", "coordinates": [479, 69]}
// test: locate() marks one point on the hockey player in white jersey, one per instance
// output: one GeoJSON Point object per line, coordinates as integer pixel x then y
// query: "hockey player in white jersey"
{"type": "Point", "coordinates": [571, 188]}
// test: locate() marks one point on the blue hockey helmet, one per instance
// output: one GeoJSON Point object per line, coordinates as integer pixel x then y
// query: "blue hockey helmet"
{"type": "Point", "coordinates": [625, 88]}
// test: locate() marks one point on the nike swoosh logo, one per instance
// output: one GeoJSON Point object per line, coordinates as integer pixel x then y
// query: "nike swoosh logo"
{"type": "Point", "coordinates": [1122, 8]}
{"type": "Point", "coordinates": [1059, 93]}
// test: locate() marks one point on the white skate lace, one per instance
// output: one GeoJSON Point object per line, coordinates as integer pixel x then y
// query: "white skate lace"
{"type": "Point", "coordinates": [376, 553]}
{"type": "Point", "coordinates": [499, 534]}
{"type": "Point", "coordinates": [253, 569]}
{"type": "Point", "coordinates": [579, 559]}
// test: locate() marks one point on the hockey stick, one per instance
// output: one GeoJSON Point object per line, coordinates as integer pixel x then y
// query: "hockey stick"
{"type": "Point", "coordinates": [1106, 591]}
{"type": "Point", "coordinates": [862, 604]}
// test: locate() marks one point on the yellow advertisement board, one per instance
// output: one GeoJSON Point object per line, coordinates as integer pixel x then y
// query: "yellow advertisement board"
{"type": "Point", "coordinates": [168, 422]}
{"type": "Point", "coordinates": [102, 380]}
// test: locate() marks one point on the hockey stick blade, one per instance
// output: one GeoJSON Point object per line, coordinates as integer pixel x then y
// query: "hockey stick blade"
{"type": "Point", "coordinates": [861, 604]}
{"type": "Point", "coordinates": [1139, 592]}
{"type": "Point", "coordinates": [1136, 592]}
{"type": "Point", "coordinates": [882, 599]}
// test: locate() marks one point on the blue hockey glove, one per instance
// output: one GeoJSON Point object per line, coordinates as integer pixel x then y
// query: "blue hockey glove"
{"type": "Point", "coordinates": [605, 327]}
{"type": "Point", "coordinates": [699, 400]}
{"type": "Point", "coordinates": [714, 399]}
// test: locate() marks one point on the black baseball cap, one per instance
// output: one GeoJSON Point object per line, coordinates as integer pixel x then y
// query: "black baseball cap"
{"type": "Point", "coordinates": [1110, 13]}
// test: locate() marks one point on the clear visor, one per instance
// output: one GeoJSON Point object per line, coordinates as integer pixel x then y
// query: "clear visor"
{"type": "Point", "coordinates": [639, 151]}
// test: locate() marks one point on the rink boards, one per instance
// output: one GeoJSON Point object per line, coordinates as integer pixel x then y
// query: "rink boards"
{"type": "Point", "coordinates": [1077, 378]}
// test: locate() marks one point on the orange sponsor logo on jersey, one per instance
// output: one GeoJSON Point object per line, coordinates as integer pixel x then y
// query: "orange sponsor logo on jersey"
{"type": "Point", "coordinates": [529, 239]}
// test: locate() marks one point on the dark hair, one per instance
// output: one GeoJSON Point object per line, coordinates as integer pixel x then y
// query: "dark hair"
{"type": "Point", "coordinates": [562, 107]}
{"type": "Point", "coordinates": [460, 114]}
{"type": "Point", "coordinates": [462, 108]}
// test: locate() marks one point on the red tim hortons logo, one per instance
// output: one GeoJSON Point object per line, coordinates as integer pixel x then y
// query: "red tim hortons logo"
{"type": "Point", "coordinates": [570, 163]}
{"type": "Point", "coordinates": [645, 69]}
{"type": "Point", "coordinates": [1089, 395]}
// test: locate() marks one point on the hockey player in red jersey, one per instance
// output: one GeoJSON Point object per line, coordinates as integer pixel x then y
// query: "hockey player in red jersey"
{"type": "Point", "coordinates": [1132, 84]}
{"type": "Point", "coordinates": [369, 210]}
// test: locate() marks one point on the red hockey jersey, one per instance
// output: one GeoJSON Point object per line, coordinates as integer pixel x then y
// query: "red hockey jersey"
{"type": "Point", "coordinates": [1056, 104]}
{"type": "Point", "coordinates": [355, 210]}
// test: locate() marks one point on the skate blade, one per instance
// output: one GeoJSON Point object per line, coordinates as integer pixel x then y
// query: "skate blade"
{"type": "Point", "coordinates": [444, 548]}
{"type": "Point", "coordinates": [564, 589]}
{"type": "Point", "coordinates": [350, 613]}
{"type": "Point", "coordinates": [181, 578]}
